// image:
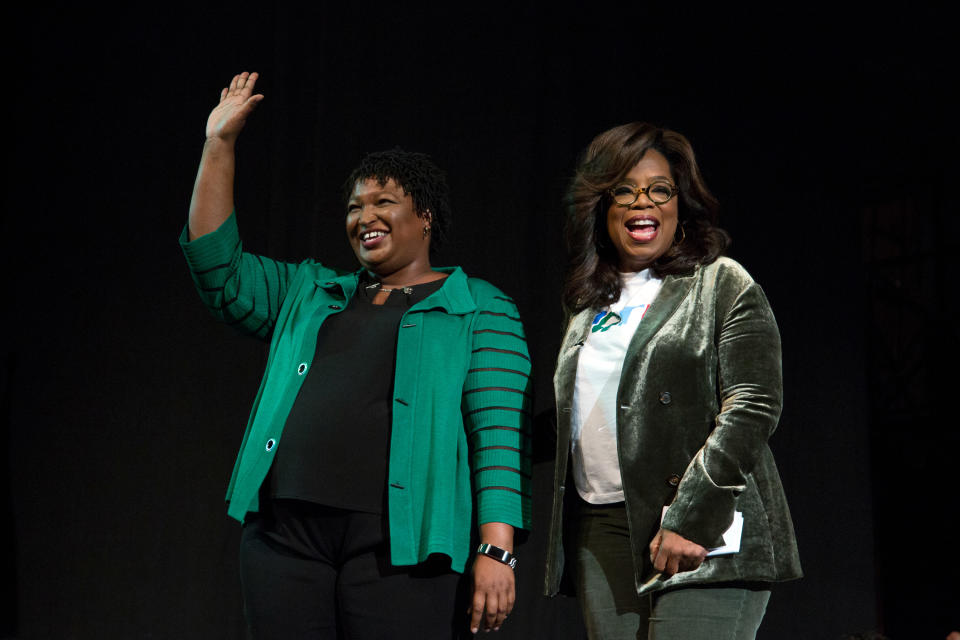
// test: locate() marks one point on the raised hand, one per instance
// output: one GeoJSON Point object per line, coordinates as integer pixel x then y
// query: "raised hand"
{"type": "Point", "coordinates": [237, 102]}
{"type": "Point", "coordinates": [212, 201]}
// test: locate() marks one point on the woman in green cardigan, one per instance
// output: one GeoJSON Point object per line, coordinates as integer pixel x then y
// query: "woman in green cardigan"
{"type": "Point", "coordinates": [393, 411]}
{"type": "Point", "coordinates": [668, 386]}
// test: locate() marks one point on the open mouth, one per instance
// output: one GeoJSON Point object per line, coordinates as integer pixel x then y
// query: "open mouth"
{"type": "Point", "coordinates": [642, 228]}
{"type": "Point", "coordinates": [372, 238]}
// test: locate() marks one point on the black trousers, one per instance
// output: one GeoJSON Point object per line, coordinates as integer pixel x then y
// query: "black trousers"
{"type": "Point", "coordinates": [315, 572]}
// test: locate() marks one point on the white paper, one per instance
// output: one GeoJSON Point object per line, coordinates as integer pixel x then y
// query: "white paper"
{"type": "Point", "coordinates": [731, 537]}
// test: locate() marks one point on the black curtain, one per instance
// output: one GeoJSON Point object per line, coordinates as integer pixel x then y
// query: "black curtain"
{"type": "Point", "coordinates": [125, 403]}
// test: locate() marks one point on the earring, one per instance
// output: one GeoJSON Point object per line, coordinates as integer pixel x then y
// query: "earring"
{"type": "Point", "coordinates": [683, 235]}
{"type": "Point", "coordinates": [428, 218]}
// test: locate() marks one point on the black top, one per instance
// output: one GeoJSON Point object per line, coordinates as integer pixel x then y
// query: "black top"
{"type": "Point", "coordinates": [335, 444]}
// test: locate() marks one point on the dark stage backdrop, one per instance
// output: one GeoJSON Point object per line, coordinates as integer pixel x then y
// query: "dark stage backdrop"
{"type": "Point", "coordinates": [829, 142]}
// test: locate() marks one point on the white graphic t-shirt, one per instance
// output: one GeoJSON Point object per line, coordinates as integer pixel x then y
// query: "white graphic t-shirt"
{"type": "Point", "coordinates": [596, 468]}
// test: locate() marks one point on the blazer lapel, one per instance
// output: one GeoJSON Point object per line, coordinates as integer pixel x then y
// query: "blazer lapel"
{"type": "Point", "coordinates": [579, 327]}
{"type": "Point", "coordinates": [577, 331]}
{"type": "Point", "coordinates": [671, 294]}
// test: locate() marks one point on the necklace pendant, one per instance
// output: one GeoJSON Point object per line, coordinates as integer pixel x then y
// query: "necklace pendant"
{"type": "Point", "coordinates": [379, 285]}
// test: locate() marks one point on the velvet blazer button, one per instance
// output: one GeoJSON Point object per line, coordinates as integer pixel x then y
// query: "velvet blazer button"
{"type": "Point", "coordinates": [665, 397]}
{"type": "Point", "coordinates": [673, 480]}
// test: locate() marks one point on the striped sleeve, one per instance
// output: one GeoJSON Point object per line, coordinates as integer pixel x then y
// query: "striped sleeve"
{"type": "Point", "coordinates": [496, 406]}
{"type": "Point", "coordinates": [240, 289]}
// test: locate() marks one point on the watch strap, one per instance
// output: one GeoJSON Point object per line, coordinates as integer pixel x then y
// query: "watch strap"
{"type": "Point", "coordinates": [500, 555]}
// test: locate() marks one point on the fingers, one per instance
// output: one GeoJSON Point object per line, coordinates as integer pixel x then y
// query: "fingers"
{"type": "Point", "coordinates": [490, 609]}
{"type": "Point", "coordinates": [252, 102]}
{"type": "Point", "coordinates": [492, 616]}
{"type": "Point", "coordinates": [242, 85]}
{"type": "Point", "coordinates": [671, 553]}
{"type": "Point", "coordinates": [672, 565]}
{"type": "Point", "coordinates": [476, 611]}
{"type": "Point", "coordinates": [658, 555]}
{"type": "Point", "coordinates": [696, 559]}
{"type": "Point", "coordinates": [499, 607]}
{"type": "Point", "coordinates": [246, 83]}
{"type": "Point", "coordinates": [660, 561]}
{"type": "Point", "coordinates": [655, 547]}
{"type": "Point", "coordinates": [666, 563]}
{"type": "Point", "coordinates": [494, 594]}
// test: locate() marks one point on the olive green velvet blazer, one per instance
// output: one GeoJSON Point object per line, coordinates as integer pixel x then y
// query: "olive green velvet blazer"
{"type": "Point", "coordinates": [700, 394]}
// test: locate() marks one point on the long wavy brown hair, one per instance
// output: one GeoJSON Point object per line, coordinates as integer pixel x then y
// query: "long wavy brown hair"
{"type": "Point", "coordinates": [592, 278]}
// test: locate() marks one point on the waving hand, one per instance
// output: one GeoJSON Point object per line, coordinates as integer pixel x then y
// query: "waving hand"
{"type": "Point", "coordinates": [237, 102]}
{"type": "Point", "coordinates": [212, 200]}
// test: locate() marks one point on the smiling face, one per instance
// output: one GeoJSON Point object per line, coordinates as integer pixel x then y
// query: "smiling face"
{"type": "Point", "coordinates": [385, 232]}
{"type": "Point", "coordinates": [643, 231]}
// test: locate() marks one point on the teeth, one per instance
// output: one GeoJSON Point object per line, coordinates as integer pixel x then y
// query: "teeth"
{"type": "Point", "coordinates": [642, 223]}
{"type": "Point", "coordinates": [369, 235]}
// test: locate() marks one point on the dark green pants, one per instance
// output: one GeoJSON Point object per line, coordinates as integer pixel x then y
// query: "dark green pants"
{"type": "Point", "coordinates": [613, 610]}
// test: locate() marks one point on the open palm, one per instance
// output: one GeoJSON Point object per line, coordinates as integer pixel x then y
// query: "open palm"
{"type": "Point", "coordinates": [237, 102]}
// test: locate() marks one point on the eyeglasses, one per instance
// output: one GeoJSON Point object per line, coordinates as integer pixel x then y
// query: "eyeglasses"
{"type": "Point", "coordinates": [659, 192]}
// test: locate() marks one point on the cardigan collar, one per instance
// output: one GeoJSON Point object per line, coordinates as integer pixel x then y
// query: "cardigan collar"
{"type": "Point", "coordinates": [453, 296]}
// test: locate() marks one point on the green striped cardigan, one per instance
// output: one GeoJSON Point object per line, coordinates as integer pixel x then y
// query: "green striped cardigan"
{"type": "Point", "coordinates": [460, 422]}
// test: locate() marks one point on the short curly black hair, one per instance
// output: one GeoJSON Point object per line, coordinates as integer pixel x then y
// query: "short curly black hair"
{"type": "Point", "coordinates": [419, 178]}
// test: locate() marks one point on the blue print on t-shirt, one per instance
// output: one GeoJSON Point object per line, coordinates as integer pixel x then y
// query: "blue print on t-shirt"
{"type": "Point", "coordinates": [604, 320]}
{"type": "Point", "coordinates": [607, 319]}
{"type": "Point", "coordinates": [628, 310]}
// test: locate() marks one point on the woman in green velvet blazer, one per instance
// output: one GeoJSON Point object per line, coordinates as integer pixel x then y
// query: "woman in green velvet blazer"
{"type": "Point", "coordinates": [668, 387]}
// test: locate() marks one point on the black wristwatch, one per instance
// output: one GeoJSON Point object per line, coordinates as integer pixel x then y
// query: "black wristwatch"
{"type": "Point", "coordinates": [498, 554]}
